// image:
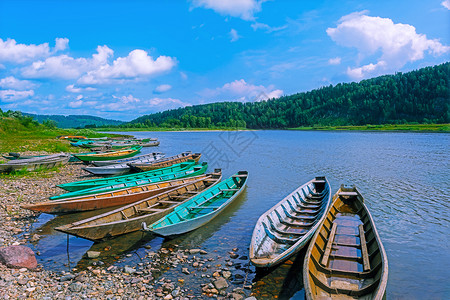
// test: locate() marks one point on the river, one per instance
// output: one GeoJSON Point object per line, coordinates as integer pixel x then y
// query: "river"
{"type": "Point", "coordinates": [404, 178]}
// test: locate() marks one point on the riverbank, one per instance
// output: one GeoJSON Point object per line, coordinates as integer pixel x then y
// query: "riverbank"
{"type": "Point", "coordinates": [384, 127]}
{"type": "Point", "coordinates": [198, 274]}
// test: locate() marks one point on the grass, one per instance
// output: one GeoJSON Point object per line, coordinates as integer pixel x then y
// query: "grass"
{"type": "Point", "coordinates": [385, 127]}
{"type": "Point", "coordinates": [16, 137]}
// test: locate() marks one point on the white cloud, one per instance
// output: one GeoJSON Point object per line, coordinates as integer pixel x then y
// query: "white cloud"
{"type": "Point", "coordinates": [242, 91]}
{"type": "Point", "coordinates": [398, 43]}
{"type": "Point", "coordinates": [162, 88]}
{"type": "Point", "coordinates": [72, 89]}
{"type": "Point", "coordinates": [67, 67]}
{"type": "Point", "coordinates": [244, 9]}
{"type": "Point", "coordinates": [11, 51]}
{"type": "Point", "coordinates": [76, 104]}
{"type": "Point", "coordinates": [138, 63]}
{"type": "Point", "coordinates": [13, 95]}
{"type": "Point", "coordinates": [266, 27]}
{"type": "Point", "coordinates": [234, 35]}
{"type": "Point", "coordinates": [334, 61]}
{"type": "Point", "coordinates": [446, 4]}
{"type": "Point", "coordinates": [16, 84]}
{"type": "Point", "coordinates": [183, 76]}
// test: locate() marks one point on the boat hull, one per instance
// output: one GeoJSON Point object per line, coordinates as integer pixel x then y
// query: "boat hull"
{"type": "Point", "coordinates": [346, 258]}
{"type": "Point", "coordinates": [288, 226]}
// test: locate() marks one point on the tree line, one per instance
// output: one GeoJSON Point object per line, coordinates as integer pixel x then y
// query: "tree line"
{"type": "Point", "coordinates": [420, 96]}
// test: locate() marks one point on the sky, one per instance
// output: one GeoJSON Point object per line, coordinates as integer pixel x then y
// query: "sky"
{"type": "Point", "coordinates": [123, 59]}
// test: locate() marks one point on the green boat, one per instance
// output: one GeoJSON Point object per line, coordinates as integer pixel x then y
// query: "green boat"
{"type": "Point", "coordinates": [194, 170]}
{"type": "Point", "coordinates": [200, 209]}
{"type": "Point", "coordinates": [124, 153]}
{"type": "Point", "coordinates": [86, 184]}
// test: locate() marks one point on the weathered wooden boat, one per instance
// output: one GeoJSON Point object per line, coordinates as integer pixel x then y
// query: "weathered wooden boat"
{"type": "Point", "coordinates": [15, 155]}
{"type": "Point", "coordinates": [109, 155]}
{"type": "Point", "coordinates": [346, 259]}
{"type": "Point", "coordinates": [122, 168]}
{"type": "Point", "coordinates": [108, 199]}
{"type": "Point", "coordinates": [35, 163]}
{"type": "Point", "coordinates": [200, 209]}
{"type": "Point", "coordinates": [288, 226]}
{"type": "Point", "coordinates": [92, 183]}
{"type": "Point", "coordinates": [145, 157]}
{"type": "Point", "coordinates": [165, 162]}
{"type": "Point", "coordinates": [149, 144]}
{"type": "Point", "coordinates": [129, 218]}
{"type": "Point", "coordinates": [194, 170]}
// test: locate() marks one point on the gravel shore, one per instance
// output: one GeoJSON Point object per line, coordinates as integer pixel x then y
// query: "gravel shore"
{"type": "Point", "coordinates": [144, 280]}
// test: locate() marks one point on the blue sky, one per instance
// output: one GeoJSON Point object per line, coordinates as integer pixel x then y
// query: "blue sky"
{"type": "Point", "coordinates": [122, 59]}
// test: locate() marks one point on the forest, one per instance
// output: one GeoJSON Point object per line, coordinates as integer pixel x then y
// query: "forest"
{"type": "Point", "coordinates": [421, 96]}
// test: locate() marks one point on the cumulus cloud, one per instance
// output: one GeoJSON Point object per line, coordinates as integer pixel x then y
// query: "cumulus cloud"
{"type": "Point", "coordinates": [446, 4]}
{"type": "Point", "coordinates": [67, 67]}
{"type": "Point", "coordinates": [11, 51]}
{"type": "Point", "coordinates": [130, 103]}
{"type": "Point", "coordinates": [398, 43]}
{"type": "Point", "coordinates": [72, 89]}
{"type": "Point", "coordinates": [234, 35]}
{"type": "Point", "coordinates": [334, 61]}
{"type": "Point", "coordinates": [244, 9]}
{"type": "Point", "coordinates": [13, 95]}
{"type": "Point", "coordinates": [138, 63]}
{"type": "Point", "coordinates": [242, 91]}
{"type": "Point", "coordinates": [16, 84]}
{"type": "Point", "coordinates": [162, 88]}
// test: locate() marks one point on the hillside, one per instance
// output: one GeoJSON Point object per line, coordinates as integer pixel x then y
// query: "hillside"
{"type": "Point", "coordinates": [420, 96]}
{"type": "Point", "coordinates": [74, 121]}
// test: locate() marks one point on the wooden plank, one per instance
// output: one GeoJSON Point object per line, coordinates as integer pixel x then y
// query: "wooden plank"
{"type": "Point", "coordinates": [149, 209]}
{"type": "Point", "coordinates": [364, 251]}
{"type": "Point", "coordinates": [348, 194]}
{"type": "Point", "coordinates": [327, 252]}
{"type": "Point", "coordinates": [169, 202]}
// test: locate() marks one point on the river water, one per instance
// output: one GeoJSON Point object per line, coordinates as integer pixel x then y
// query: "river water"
{"type": "Point", "coordinates": [404, 178]}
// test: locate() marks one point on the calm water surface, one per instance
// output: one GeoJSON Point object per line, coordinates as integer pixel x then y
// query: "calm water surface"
{"type": "Point", "coordinates": [404, 178]}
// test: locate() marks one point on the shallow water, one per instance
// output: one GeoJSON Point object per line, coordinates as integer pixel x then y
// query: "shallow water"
{"type": "Point", "coordinates": [404, 178]}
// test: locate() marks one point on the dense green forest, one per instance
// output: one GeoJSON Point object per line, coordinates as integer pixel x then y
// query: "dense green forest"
{"type": "Point", "coordinates": [74, 121]}
{"type": "Point", "coordinates": [420, 96]}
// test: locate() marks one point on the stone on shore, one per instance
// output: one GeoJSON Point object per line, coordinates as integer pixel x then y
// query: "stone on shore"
{"type": "Point", "coordinates": [220, 283]}
{"type": "Point", "coordinates": [18, 257]}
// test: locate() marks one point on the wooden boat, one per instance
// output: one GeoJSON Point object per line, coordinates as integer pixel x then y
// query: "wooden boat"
{"type": "Point", "coordinates": [145, 157]}
{"type": "Point", "coordinates": [35, 163]}
{"type": "Point", "coordinates": [129, 218]}
{"type": "Point", "coordinates": [165, 162]}
{"type": "Point", "coordinates": [108, 199]}
{"type": "Point", "coordinates": [15, 155]}
{"type": "Point", "coordinates": [346, 259]}
{"type": "Point", "coordinates": [109, 155]}
{"type": "Point", "coordinates": [200, 209]}
{"type": "Point", "coordinates": [288, 226]}
{"type": "Point", "coordinates": [194, 170]}
{"type": "Point", "coordinates": [121, 168]}
{"type": "Point", "coordinates": [149, 144]}
{"type": "Point", "coordinates": [86, 184]}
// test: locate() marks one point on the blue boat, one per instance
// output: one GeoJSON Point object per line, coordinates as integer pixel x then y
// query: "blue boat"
{"type": "Point", "coordinates": [200, 209]}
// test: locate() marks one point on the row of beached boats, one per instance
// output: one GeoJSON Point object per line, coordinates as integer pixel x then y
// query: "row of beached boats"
{"type": "Point", "coordinates": [345, 258]}
{"type": "Point", "coordinates": [112, 143]}
{"type": "Point", "coordinates": [173, 190]}
{"type": "Point", "coordinates": [33, 163]}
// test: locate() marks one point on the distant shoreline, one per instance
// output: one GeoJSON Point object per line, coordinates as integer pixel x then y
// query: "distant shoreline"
{"type": "Point", "coordinates": [426, 128]}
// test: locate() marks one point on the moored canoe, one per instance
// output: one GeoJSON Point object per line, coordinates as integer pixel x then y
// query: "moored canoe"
{"type": "Point", "coordinates": [92, 183]}
{"type": "Point", "coordinates": [200, 209]}
{"type": "Point", "coordinates": [144, 157]}
{"type": "Point", "coordinates": [165, 162]}
{"type": "Point", "coordinates": [288, 226]}
{"type": "Point", "coordinates": [346, 258]}
{"type": "Point", "coordinates": [110, 198]}
{"type": "Point", "coordinates": [109, 155]}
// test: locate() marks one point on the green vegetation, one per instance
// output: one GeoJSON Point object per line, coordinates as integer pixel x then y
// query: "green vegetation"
{"type": "Point", "coordinates": [20, 133]}
{"type": "Point", "coordinates": [385, 127]}
{"type": "Point", "coordinates": [74, 121]}
{"type": "Point", "coordinates": [417, 97]}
